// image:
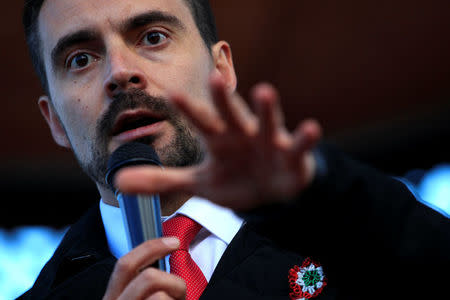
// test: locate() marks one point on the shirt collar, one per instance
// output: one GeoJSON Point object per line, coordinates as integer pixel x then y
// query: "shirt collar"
{"type": "Point", "coordinates": [114, 229]}
{"type": "Point", "coordinates": [219, 221]}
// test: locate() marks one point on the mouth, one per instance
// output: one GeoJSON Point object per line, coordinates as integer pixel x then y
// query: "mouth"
{"type": "Point", "coordinates": [136, 124]}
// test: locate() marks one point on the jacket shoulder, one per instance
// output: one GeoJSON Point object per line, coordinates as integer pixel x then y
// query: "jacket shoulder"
{"type": "Point", "coordinates": [82, 259]}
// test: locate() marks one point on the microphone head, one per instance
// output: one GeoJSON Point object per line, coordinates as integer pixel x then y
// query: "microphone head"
{"type": "Point", "coordinates": [130, 154]}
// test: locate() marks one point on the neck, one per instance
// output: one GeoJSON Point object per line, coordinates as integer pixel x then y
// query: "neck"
{"type": "Point", "coordinates": [170, 203]}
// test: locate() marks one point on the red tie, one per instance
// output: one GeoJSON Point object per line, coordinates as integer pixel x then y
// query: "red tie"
{"type": "Point", "coordinates": [181, 263]}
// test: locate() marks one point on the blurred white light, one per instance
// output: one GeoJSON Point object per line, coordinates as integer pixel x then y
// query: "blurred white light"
{"type": "Point", "coordinates": [23, 253]}
{"type": "Point", "coordinates": [434, 188]}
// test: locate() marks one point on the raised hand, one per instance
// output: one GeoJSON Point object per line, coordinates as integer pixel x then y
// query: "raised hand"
{"type": "Point", "coordinates": [251, 158]}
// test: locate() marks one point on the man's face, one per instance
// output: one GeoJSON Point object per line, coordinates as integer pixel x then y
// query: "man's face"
{"type": "Point", "coordinates": [110, 65]}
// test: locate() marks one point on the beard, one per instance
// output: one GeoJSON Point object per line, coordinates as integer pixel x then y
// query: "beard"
{"type": "Point", "coordinates": [183, 150]}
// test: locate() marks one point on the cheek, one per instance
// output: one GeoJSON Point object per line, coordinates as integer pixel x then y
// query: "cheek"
{"type": "Point", "coordinates": [79, 106]}
{"type": "Point", "coordinates": [79, 120]}
{"type": "Point", "coordinates": [194, 80]}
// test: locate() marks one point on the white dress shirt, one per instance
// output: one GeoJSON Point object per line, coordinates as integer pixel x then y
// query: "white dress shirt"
{"type": "Point", "coordinates": [220, 225]}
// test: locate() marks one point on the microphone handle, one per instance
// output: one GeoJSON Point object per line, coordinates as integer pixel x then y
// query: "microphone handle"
{"type": "Point", "coordinates": [142, 219]}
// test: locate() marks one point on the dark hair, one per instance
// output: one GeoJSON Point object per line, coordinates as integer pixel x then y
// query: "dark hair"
{"type": "Point", "coordinates": [200, 9]}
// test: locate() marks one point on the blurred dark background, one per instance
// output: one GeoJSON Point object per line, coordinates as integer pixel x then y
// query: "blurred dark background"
{"type": "Point", "coordinates": [374, 73]}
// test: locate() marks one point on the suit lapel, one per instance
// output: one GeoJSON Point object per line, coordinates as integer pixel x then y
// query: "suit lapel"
{"type": "Point", "coordinates": [254, 267]}
{"type": "Point", "coordinates": [245, 269]}
{"type": "Point", "coordinates": [241, 247]}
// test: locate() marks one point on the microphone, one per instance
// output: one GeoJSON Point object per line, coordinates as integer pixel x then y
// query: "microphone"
{"type": "Point", "coordinates": [141, 214]}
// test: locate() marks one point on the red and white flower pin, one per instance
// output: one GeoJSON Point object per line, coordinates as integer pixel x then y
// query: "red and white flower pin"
{"type": "Point", "coordinates": [307, 281]}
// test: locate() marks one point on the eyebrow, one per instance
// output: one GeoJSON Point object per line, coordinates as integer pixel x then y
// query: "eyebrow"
{"type": "Point", "coordinates": [89, 35]}
{"type": "Point", "coordinates": [71, 39]}
{"type": "Point", "coordinates": [150, 17]}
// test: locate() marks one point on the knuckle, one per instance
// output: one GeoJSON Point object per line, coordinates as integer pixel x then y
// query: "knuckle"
{"type": "Point", "coordinates": [150, 245]}
{"type": "Point", "coordinates": [122, 266]}
{"type": "Point", "coordinates": [150, 275]}
{"type": "Point", "coordinates": [158, 296]}
{"type": "Point", "coordinates": [181, 287]}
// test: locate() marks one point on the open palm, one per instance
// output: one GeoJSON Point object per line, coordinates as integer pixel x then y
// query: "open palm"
{"type": "Point", "coordinates": [251, 158]}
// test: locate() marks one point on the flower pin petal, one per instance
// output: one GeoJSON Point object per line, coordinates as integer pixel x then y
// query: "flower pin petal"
{"type": "Point", "coordinates": [306, 281]}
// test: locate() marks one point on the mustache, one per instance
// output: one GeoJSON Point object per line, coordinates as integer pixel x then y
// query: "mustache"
{"type": "Point", "coordinates": [132, 99]}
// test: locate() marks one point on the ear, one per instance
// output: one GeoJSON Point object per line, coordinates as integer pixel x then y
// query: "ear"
{"type": "Point", "coordinates": [56, 128]}
{"type": "Point", "coordinates": [223, 62]}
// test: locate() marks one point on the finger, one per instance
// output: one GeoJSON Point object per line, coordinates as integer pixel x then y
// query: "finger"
{"type": "Point", "coordinates": [153, 180]}
{"type": "Point", "coordinates": [267, 103]}
{"type": "Point", "coordinates": [264, 99]}
{"type": "Point", "coordinates": [151, 281]}
{"type": "Point", "coordinates": [272, 131]}
{"type": "Point", "coordinates": [306, 137]}
{"type": "Point", "coordinates": [231, 107]}
{"type": "Point", "coordinates": [205, 119]}
{"type": "Point", "coordinates": [250, 121]}
{"type": "Point", "coordinates": [161, 296]}
{"type": "Point", "coordinates": [129, 265]}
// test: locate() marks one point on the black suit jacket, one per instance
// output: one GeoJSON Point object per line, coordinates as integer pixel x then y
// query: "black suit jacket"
{"type": "Point", "coordinates": [251, 267]}
{"type": "Point", "coordinates": [373, 239]}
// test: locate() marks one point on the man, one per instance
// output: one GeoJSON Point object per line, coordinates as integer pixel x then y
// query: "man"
{"type": "Point", "coordinates": [154, 71]}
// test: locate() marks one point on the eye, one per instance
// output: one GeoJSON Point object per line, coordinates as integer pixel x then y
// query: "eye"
{"type": "Point", "coordinates": [154, 38]}
{"type": "Point", "coordinates": [80, 61]}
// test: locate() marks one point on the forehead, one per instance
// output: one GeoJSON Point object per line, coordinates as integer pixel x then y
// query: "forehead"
{"type": "Point", "coordinates": [58, 17]}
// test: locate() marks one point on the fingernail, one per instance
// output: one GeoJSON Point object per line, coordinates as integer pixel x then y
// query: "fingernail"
{"type": "Point", "coordinates": [172, 242]}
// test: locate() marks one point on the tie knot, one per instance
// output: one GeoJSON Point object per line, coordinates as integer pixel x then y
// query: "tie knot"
{"type": "Point", "coordinates": [183, 228]}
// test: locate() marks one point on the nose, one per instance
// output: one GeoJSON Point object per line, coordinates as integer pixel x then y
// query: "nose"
{"type": "Point", "coordinates": [124, 74]}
